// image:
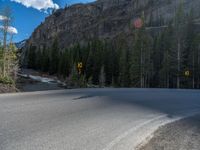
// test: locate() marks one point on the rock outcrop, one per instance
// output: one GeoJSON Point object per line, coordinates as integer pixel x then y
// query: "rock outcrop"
{"type": "Point", "coordinates": [103, 19]}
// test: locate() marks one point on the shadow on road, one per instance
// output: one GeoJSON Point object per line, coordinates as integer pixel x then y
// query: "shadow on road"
{"type": "Point", "coordinates": [167, 101]}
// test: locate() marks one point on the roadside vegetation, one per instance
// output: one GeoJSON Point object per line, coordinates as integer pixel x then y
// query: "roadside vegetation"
{"type": "Point", "coordinates": [8, 53]}
{"type": "Point", "coordinates": [167, 59]}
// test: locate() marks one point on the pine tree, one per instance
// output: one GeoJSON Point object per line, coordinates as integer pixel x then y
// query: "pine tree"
{"type": "Point", "coordinates": [54, 58]}
{"type": "Point", "coordinates": [45, 61]}
{"type": "Point", "coordinates": [32, 57]}
{"type": "Point", "coordinates": [179, 28]}
{"type": "Point", "coordinates": [38, 63]}
{"type": "Point", "coordinates": [141, 64]}
{"type": "Point", "coordinates": [124, 77]}
{"type": "Point", "coordinates": [194, 61]}
{"type": "Point", "coordinates": [189, 53]}
{"type": "Point", "coordinates": [64, 64]}
{"type": "Point", "coordinates": [157, 59]}
{"type": "Point", "coordinates": [109, 62]}
{"type": "Point", "coordinates": [90, 63]}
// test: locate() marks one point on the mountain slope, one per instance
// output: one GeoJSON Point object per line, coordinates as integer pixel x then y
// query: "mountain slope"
{"type": "Point", "coordinates": [102, 19]}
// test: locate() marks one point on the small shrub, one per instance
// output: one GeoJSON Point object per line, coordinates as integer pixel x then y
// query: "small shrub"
{"type": "Point", "coordinates": [6, 80]}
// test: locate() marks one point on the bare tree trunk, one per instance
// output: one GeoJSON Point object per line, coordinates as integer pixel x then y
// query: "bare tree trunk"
{"type": "Point", "coordinates": [198, 65]}
{"type": "Point", "coordinates": [5, 24]}
{"type": "Point", "coordinates": [193, 69]}
{"type": "Point", "coordinates": [179, 63]}
{"type": "Point", "coordinates": [167, 80]}
{"type": "Point", "coordinates": [141, 70]}
{"type": "Point", "coordinates": [4, 50]}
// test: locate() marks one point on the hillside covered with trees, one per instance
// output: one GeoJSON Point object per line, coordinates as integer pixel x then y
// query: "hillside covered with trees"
{"type": "Point", "coordinates": [169, 58]}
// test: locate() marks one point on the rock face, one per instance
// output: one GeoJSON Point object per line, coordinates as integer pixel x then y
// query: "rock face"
{"type": "Point", "coordinates": [20, 44]}
{"type": "Point", "coordinates": [103, 19]}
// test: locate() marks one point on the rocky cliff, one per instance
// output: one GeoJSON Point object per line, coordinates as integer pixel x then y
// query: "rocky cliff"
{"type": "Point", "coordinates": [103, 19]}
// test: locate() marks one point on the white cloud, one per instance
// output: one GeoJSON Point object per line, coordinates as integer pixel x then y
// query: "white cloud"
{"type": "Point", "coordinates": [11, 30]}
{"type": "Point", "coordinates": [3, 18]}
{"type": "Point", "coordinates": [38, 4]}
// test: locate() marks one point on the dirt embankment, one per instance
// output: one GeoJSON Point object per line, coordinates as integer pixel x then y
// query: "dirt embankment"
{"type": "Point", "coordinates": [180, 135]}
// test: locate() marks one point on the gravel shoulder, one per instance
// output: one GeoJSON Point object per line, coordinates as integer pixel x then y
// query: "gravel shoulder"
{"type": "Point", "coordinates": [180, 135]}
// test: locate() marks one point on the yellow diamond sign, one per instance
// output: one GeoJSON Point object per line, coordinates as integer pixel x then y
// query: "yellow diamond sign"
{"type": "Point", "coordinates": [80, 65]}
{"type": "Point", "coordinates": [187, 73]}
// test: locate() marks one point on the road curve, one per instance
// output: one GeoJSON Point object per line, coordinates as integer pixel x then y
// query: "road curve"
{"type": "Point", "coordinates": [89, 119]}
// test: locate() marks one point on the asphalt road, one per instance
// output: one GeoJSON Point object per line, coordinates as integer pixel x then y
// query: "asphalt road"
{"type": "Point", "coordinates": [89, 119]}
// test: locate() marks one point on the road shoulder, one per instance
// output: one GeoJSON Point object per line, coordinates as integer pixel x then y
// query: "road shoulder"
{"type": "Point", "coordinates": [180, 135]}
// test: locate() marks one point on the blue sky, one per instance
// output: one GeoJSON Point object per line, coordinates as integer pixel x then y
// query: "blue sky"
{"type": "Point", "coordinates": [28, 14]}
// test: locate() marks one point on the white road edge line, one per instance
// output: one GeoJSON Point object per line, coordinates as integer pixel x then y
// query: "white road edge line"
{"type": "Point", "coordinates": [125, 134]}
{"type": "Point", "coordinates": [122, 136]}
